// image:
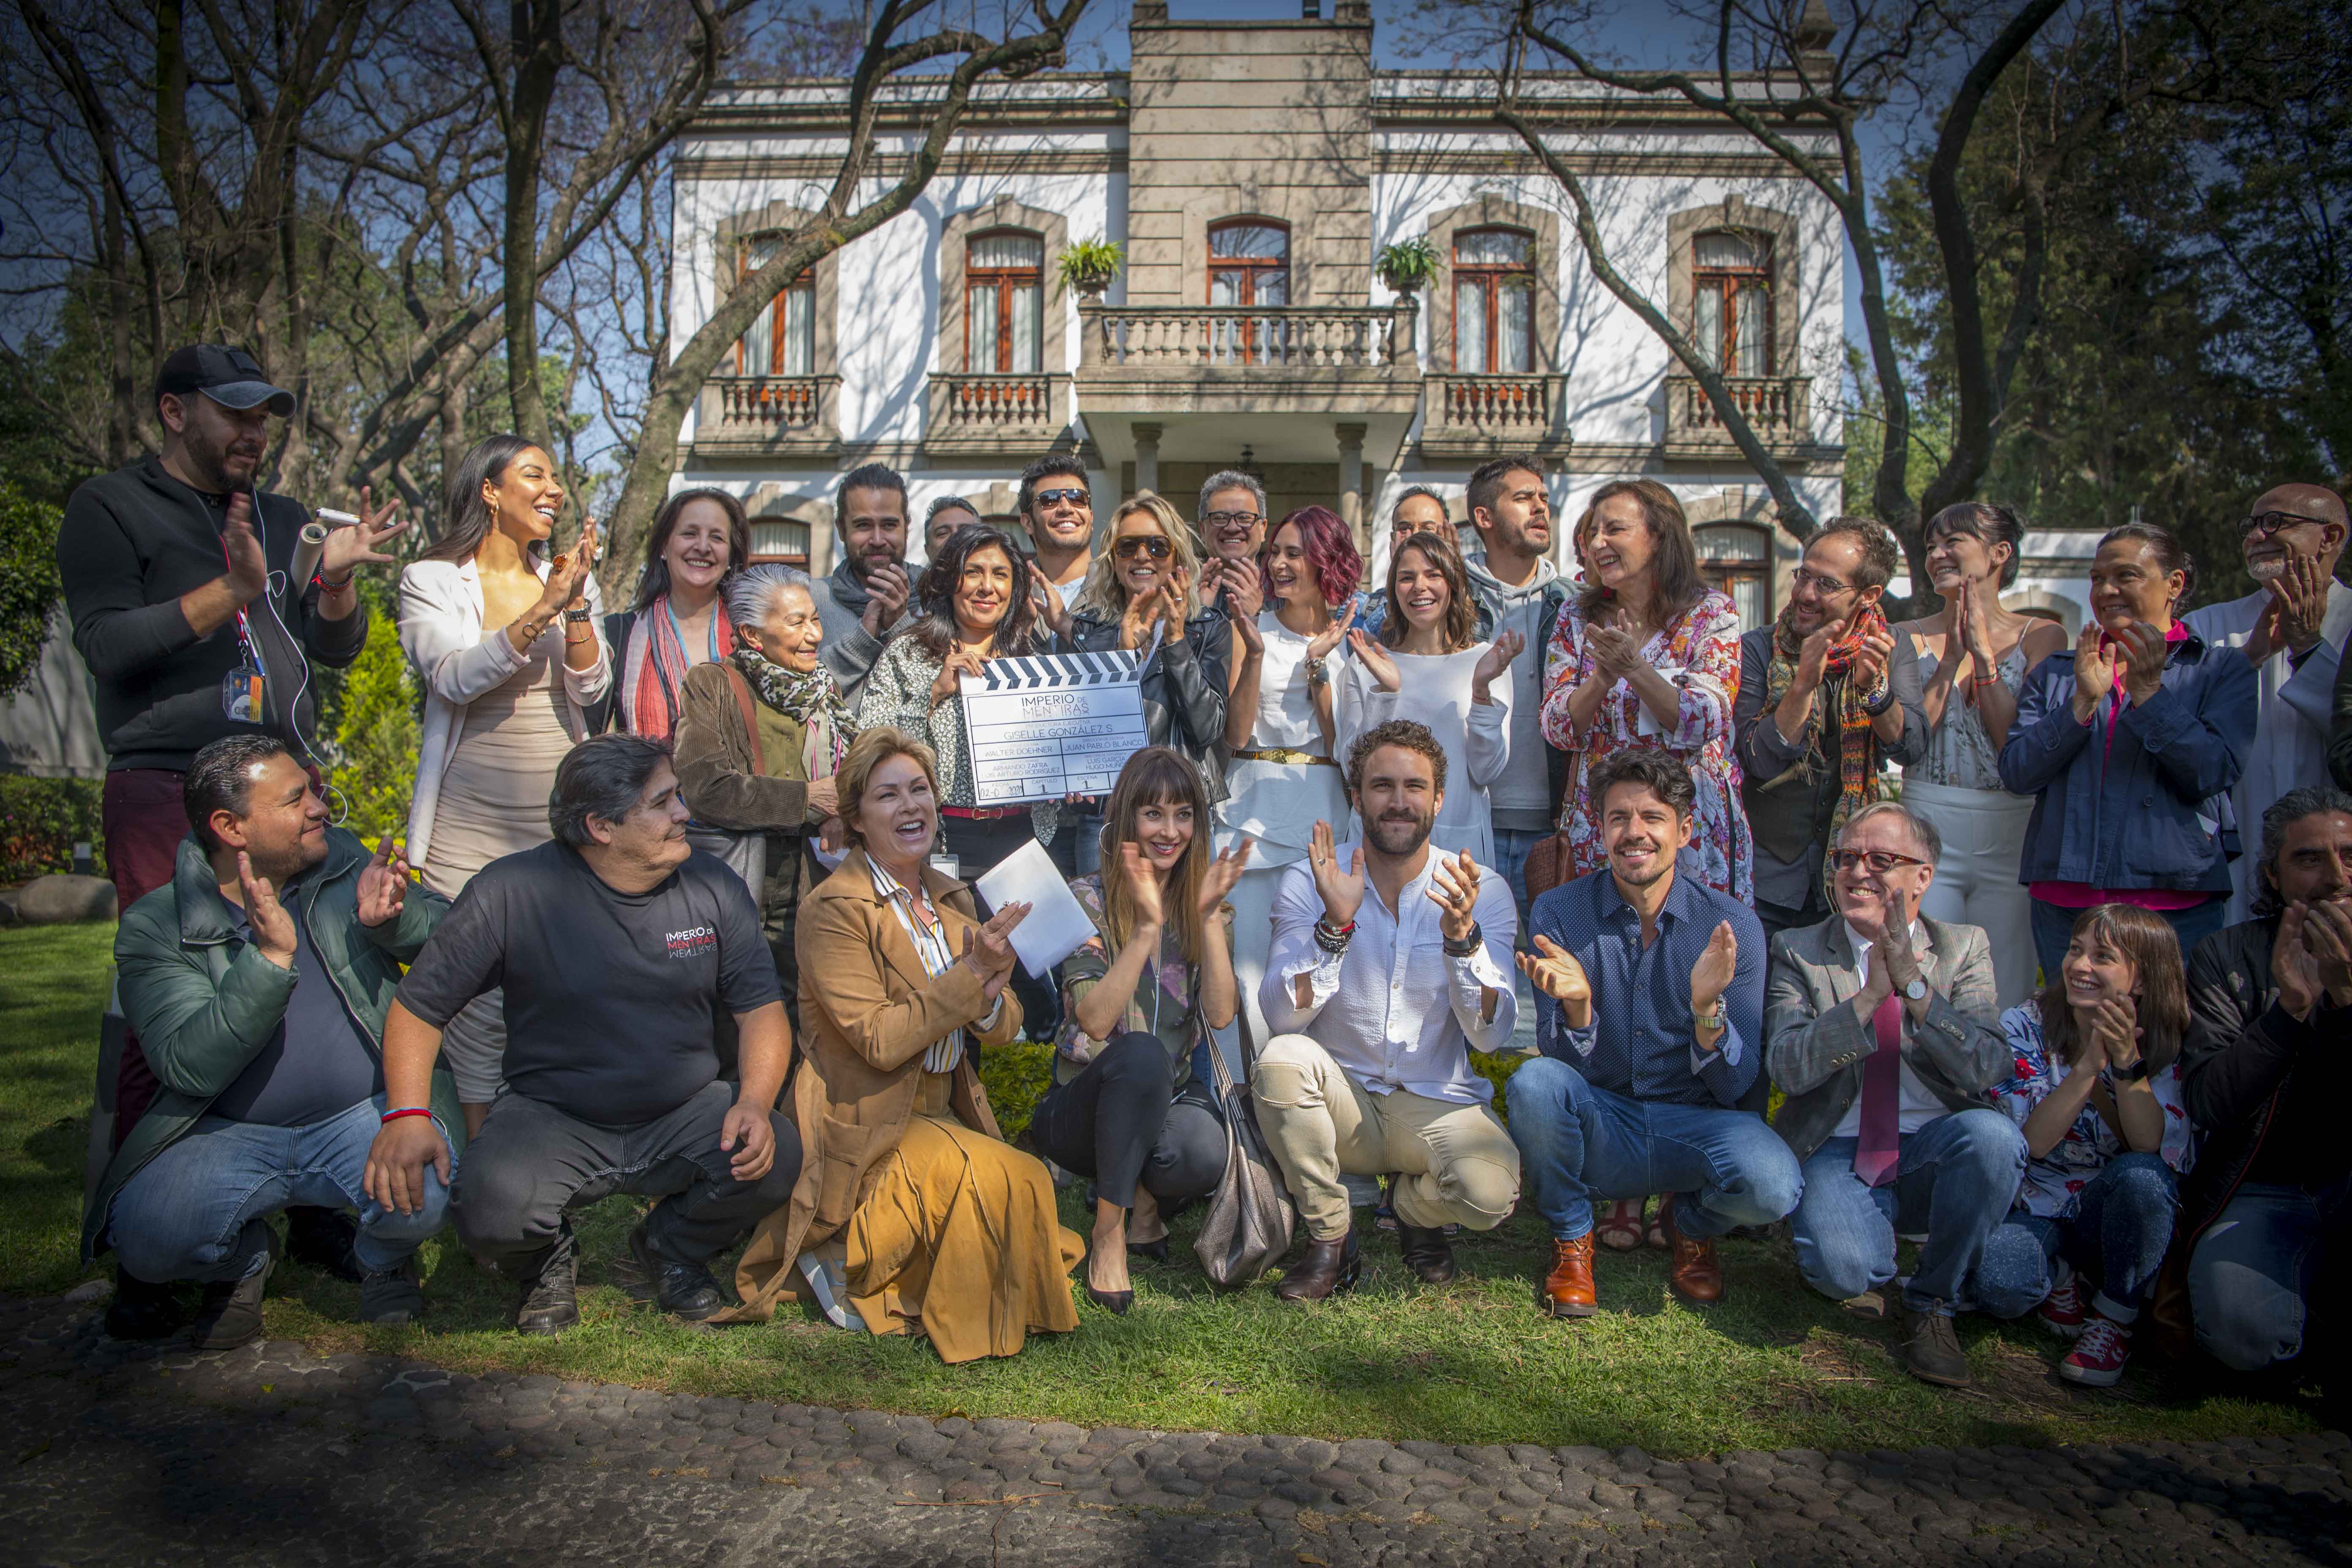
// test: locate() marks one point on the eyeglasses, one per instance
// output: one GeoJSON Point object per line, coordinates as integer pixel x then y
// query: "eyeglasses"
{"type": "Point", "coordinates": [1076, 497]}
{"type": "Point", "coordinates": [1879, 861]}
{"type": "Point", "coordinates": [2265, 522]}
{"type": "Point", "coordinates": [1826, 587]}
{"type": "Point", "coordinates": [1135, 545]}
{"type": "Point", "coordinates": [1230, 519]}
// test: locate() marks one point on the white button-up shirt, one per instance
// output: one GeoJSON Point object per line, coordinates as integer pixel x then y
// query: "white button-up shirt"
{"type": "Point", "coordinates": [1394, 1011]}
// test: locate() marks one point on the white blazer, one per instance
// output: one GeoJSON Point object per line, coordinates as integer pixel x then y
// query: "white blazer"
{"type": "Point", "coordinates": [441, 632]}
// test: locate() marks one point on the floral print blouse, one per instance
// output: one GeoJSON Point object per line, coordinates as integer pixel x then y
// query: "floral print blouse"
{"type": "Point", "coordinates": [2052, 1185]}
{"type": "Point", "coordinates": [1700, 654]}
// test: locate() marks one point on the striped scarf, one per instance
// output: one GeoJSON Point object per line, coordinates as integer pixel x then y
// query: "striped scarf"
{"type": "Point", "coordinates": [1857, 743]}
{"type": "Point", "coordinates": [655, 670]}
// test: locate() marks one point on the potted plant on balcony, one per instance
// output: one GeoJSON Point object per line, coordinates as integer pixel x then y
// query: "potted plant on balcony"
{"type": "Point", "coordinates": [1407, 266]}
{"type": "Point", "coordinates": [1090, 265]}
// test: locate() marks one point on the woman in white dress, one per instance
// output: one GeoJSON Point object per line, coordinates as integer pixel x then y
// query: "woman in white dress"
{"type": "Point", "coordinates": [1427, 666]}
{"type": "Point", "coordinates": [1282, 777]}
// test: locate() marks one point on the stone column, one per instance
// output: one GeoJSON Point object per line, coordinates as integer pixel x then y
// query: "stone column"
{"type": "Point", "coordinates": [1147, 456]}
{"type": "Point", "coordinates": [1351, 480]}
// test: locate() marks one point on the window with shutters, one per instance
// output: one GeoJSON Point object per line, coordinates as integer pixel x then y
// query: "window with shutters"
{"type": "Point", "coordinates": [1494, 302]}
{"type": "Point", "coordinates": [1004, 288]}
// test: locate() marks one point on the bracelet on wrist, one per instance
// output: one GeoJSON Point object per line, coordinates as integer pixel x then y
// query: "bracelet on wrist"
{"type": "Point", "coordinates": [333, 587]}
{"type": "Point", "coordinates": [391, 1116]}
{"type": "Point", "coordinates": [577, 615]}
{"type": "Point", "coordinates": [1468, 946]}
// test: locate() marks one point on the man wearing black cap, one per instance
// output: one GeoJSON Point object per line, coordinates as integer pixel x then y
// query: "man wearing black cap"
{"type": "Point", "coordinates": [175, 572]}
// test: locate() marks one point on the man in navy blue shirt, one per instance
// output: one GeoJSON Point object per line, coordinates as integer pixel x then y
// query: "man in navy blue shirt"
{"type": "Point", "coordinates": [1652, 1027]}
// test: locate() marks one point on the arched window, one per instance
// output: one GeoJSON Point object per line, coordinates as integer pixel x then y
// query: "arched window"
{"type": "Point", "coordinates": [1494, 302]}
{"type": "Point", "coordinates": [1249, 264]}
{"type": "Point", "coordinates": [1731, 300]}
{"type": "Point", "coordinates": [1737, 559]}
{"type": "Point", "coordinates": [783, 339]}
{"type": "Point", "coordinates": [1003, 292]}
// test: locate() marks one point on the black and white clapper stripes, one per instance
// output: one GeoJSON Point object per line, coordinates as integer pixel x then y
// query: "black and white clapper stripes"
{"type": "Point", "coordinates": [1062, 671]}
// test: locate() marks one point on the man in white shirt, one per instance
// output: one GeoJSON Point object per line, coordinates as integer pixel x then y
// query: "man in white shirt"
{"type": "Point", "coordinates": [1884, 1049]}
{"type": "Point", "coordinates": [1391, 963]}
{"type": "Point", "coordinates": [2291, 629]}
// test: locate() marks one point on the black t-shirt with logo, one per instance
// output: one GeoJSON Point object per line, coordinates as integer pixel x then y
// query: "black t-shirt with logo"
{"type": "Point", "coordinates": [610, 996]}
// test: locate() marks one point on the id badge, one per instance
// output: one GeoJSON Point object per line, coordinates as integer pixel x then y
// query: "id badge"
{"type": "Point", "coordinates": [245, 694]}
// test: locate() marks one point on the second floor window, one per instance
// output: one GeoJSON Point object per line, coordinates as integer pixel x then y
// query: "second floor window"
{"type": "Point", "coordinates": [783, 339]}
{"type": "Point", "coordinates": [1493, 302]}
{"type": "Point", "coordinates": [1249, 264]}
{"type": "Point", "coordinates": [1004, 275]}
{"type": "Point", "coordinates": [1731, 301]}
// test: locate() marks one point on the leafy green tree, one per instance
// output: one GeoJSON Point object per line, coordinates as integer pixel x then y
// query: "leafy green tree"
{"type": "Point", "coordinates": [376, 735]}
{"type": "Point", "coordinates": [29, 589]}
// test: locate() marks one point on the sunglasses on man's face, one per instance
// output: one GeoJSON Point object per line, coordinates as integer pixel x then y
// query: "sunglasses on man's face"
{"type": "Point", "coordinates": [1880, 861]}
{"type": "Point", "coordinates": [1135, 545]}
{"type": "Point", "coordinates": [2264, 522]}
{"type": "Point", "coordinates": [1048, 497]}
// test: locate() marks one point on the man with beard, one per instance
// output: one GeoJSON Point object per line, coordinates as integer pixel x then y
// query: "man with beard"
{"type": "Point", "coordinates": [618, 943]}
{"type": "Point", "coordinates": [2291, 629]}
{"type": "Point", "coordinates": [2266, 1214]}
{"type": "Point", "coordinates": [1057, 508]}
{"type": "Point", "coordinates": [1828, 697]}
{"type": "Point", "coordinates": [1651, 1029]}
{"type": "Point", "coordinates": [863, 600]}
{"type": "Point", "coordinates": [1519, 590]}
{"type": "Point", "coordinates": [1387, 969]}
{"type": "Point", "coordinates": [1232, 523]}
{"type": "Point", "coordinates": [176, 574]}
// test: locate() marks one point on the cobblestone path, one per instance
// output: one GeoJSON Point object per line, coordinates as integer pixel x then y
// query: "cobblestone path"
{"type": "Point", "coordinates": [122, 1453]}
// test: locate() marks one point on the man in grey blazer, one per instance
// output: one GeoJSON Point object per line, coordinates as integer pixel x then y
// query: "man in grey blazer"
{"type": "Point", "coordinates": [1883, 1030]}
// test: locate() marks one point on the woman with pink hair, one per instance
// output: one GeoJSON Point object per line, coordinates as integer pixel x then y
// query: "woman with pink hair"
{"type": "Point", "coordinates": [1282, 778]}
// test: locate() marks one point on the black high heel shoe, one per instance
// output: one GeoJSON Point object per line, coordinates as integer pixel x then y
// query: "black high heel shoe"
{"type": "Point", "coordinates": [1155, 1250]}
{"type": "Point", "coordinates": [1116, 1301]}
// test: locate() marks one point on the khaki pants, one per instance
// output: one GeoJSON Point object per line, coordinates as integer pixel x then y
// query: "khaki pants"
{"type": "Point", "coordinates": [1455, 1164]}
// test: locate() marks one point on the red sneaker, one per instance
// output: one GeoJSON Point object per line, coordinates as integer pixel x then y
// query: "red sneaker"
{"type": "Point", "coordinates": [2098, 1359]}
{"type": "Point", "coordinates": [2064, 1309]}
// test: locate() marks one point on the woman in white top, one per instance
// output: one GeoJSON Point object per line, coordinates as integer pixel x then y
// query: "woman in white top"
{"type": "Point", "coordinates": [507, 644]}
{"type": "Point", "coordinates": [1282, 778]}
{"type": "Point", "coordinates": [1977, 654]}
{"type": "Point", "coordinates": [1427, 666]}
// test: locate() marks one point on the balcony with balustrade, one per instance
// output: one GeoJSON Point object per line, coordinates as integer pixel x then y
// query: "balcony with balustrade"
{"type": "Point", "coordinates": [1778, 409]}
{"type": "Point", "coordinates": [994, 415]}
{"type": "Point", "coordinates": [752, 415]}
{"type": "Point", "coordinates": [1468, 419]}
{"type": "Point", "coordinates": [1343, 361]}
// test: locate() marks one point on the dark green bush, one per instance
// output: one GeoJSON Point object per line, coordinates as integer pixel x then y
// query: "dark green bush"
{"type": "Point", "coordinates": [41, 820]}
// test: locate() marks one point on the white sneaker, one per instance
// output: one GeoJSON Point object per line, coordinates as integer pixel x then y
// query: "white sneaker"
{"type": "Point", "coordinates": [830, 1288]}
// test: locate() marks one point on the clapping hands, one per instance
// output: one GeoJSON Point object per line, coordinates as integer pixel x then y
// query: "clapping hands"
{"type": "Point", "coordinates": [988, 949]}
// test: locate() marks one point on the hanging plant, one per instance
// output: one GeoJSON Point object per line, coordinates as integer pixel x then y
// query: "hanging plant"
{"type": "Point", "coordinates": [1407, 266]}
{"type": "Point", "coordinates": [1090, 265]}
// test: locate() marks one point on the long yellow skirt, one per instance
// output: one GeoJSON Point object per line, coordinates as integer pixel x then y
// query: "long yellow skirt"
{"type": "Point", "coordinates": [957, 1240]}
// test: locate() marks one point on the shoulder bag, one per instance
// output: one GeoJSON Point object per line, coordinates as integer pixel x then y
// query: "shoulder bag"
{"type": "Point", "coordinates": [1250, 1216]}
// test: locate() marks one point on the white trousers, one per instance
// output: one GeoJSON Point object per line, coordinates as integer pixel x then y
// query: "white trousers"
{"type": "Point", "coordinates": [1975, 882]}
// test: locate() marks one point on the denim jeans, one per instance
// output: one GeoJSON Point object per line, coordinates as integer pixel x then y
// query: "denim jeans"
{"type": "Point", "coordinates": [531, 1163]}
{"type": "Point", "coordinates": [1954, 1180]}
{"type": "Point", "coordinates": [1577, 1143]}
{"type": "Point", "coordinates": [196, 1210]}
{"type": "Point", "coordinates": [2257, 1268]}
{"type": "Point", "coordinates": [2119, 1230]}
{"type": "Point", "coordinates": [1512, 848]}
{"type": "Point", "coordinates": [2053, 924]}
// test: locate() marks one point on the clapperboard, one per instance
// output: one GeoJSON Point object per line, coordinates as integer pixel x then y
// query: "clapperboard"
{"type": "Point", "coordinates": [1052, 725]}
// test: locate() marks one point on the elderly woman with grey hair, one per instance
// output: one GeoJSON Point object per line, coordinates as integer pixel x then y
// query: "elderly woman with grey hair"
{"type": "Point", "coordinates": [759, 735]}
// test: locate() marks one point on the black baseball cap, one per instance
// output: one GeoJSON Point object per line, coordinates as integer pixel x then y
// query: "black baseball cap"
{"type": "Point", "coordinates": [230, 377]}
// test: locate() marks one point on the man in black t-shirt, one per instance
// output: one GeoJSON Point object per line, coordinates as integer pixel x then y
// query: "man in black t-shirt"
{"type": "Point", "coordinates": [613, 943]}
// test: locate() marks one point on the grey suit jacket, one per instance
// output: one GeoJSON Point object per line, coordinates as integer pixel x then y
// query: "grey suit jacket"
{"type": "Point", "coordinates": [1814, 1045]}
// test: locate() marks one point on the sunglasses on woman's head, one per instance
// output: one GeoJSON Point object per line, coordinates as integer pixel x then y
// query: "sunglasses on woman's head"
{"type": "Point", "coordinates": [1134, 544]}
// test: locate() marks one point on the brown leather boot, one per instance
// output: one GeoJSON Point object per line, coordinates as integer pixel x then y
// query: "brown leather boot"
{"type": "Point", "coordinates": [1567, 1291]}
{"type": "Point", "coordinates": [1326, 1269]}
{"type": "Point", "coordinates": [1426, 1252]}
{"type": "Point", "coordinates": [1696, 1274]}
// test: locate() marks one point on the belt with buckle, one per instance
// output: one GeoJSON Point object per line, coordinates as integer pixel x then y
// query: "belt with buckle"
{"type": "Point", "coordinates": [1284, 755]}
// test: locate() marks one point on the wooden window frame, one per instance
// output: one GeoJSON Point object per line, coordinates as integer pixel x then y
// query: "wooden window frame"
{"type": "Point", "coordinates": [1726, 282]}
{"type": "Point", "coordinates": [1489, 277]}
{"type": "Point", "coordinates": [1003, 281]}
{"type": "Point", "coordinates": [778, 314]}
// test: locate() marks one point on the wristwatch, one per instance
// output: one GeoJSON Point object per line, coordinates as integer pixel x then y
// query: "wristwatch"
{"type": "Point", "coordinates": [1712, 1020]}
{"type": "Point", "coordinates": [572, 615]}
{"type": "Point", "coordinates": [1916, 990]}
{"type": "Point", "coordinates": [1469, 945]}
{"type": "Point", "coordinates": [2131, 1074]}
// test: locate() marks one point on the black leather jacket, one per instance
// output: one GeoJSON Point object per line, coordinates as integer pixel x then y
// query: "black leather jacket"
{"type": "Point", "coordinates": [1183, 688]}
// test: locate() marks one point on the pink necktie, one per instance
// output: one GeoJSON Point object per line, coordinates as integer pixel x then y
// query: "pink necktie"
{"type": "Point", "coordinates": [1879, 1149]}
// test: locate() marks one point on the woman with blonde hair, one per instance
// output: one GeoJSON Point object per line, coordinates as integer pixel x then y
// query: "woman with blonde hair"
{"type": "Point", "coordinates": [912, 1214]}
{"type": "Point", "coordinates": [1132, 1104]}
{"type": "Point", "coordinates": [2108, 1139]}
{"type": "Point", "coordinates": [1138, 597]}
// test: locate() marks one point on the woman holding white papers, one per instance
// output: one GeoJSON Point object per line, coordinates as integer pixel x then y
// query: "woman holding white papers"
{"type": "Point", "coordinates": [1427, 666]}
{"type": "Point", "coordinates": [1130, 1104]}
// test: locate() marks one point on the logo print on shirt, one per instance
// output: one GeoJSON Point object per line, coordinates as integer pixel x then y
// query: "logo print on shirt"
{"type": "Point", "coordinates": [694, 941]}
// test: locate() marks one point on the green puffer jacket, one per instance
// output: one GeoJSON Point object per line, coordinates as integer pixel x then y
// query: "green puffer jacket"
{"type": "Point", "coordinates": [204, 1003]}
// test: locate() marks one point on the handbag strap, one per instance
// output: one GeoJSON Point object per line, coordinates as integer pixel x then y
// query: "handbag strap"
{"type": "Point", "coordinates": [750, 717]}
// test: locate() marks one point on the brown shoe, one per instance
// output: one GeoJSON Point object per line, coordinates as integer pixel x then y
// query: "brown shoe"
{"type": "Point", "coordinates": [1326, 1269]}
{"type": "Point", "coordinates": [1696, 1274]}
{"type": "Point", "coordinates": [1426, 1252]}
{"type": "Point", "coordinates": [1931, 1349]}
{"type": "Point", "coordinates": [1567, 1291]}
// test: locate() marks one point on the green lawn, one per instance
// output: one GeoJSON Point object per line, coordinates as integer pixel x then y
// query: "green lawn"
{"type": "Point", "coordinates": [1471, 1363]}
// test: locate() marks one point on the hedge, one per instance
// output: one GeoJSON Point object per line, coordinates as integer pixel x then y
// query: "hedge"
{"type": "Point", "coordinates": [42, 819]}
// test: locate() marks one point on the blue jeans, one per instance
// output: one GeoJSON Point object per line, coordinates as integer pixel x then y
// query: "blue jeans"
{"type": "Point", "coordinates": [1512, 848]}
{"type": "Point", "coordinates": [195, 1211]}
{"type": "Point", "coordinates": [1577, 1143]}
{"type": "Point", "coordinates": [2255, 1272]}
{"type": "Point", "coordinates": [1954, 1180]}
{"type": "Point", "coordinates": [2119, 1230]}
{"type": "Point", "coordinates": [2053, 924]}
